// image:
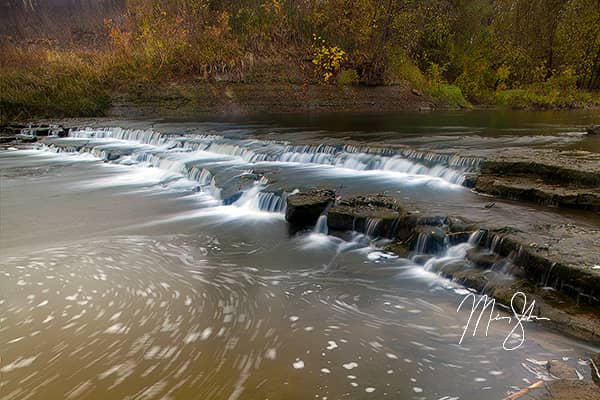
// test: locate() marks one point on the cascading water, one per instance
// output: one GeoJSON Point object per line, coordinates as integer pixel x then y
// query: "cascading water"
{"type": "Point", "coordinates": [321, 225]}
{"type": "Point", "coordinates": [421, 246]}
{"type": "Point", "coordinates": [256, 200]}
{"type": "Point", "coordinates": [448, 167]}
{"type": "Point", "coordinates": [371, 226]}
{"type": "Point", "coordinates": [453, 254]}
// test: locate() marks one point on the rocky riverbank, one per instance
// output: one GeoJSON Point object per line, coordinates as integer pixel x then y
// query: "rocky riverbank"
{"type": "Point", "coordinates": [499, 262]}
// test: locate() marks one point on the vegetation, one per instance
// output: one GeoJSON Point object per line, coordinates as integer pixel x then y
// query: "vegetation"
{"type": "Point", "coordinates": [542, 53]}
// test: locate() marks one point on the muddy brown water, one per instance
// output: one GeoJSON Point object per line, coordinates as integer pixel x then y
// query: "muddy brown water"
{"type": "Point", "coordinates": [122, 280]}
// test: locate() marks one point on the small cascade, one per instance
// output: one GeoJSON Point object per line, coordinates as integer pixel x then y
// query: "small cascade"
{"type": "Point", "coordinates": [137, 135]}
{"type": "Point", "coordinates": [321, 225]}
{"type": "Point", "coordinates": [257, 200]}
{"type": "Point", "coordinates": [421, 246]}
{"type": "Point", "coordinates": [449, 167]}
{"type": "Point", "coordinates": [206, 181]}
{"type": "Point", "coordinates": [452, 255]}
{"type": "Point", "coordinates": [371, 226]}
{"type": "Point", "coordinates": [496, 242]}
{"type": "Point", "coordinates": [476, 237]}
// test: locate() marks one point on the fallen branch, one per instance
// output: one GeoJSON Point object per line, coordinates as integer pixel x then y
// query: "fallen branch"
{"type": "Point", "coordinates": [523, 392]}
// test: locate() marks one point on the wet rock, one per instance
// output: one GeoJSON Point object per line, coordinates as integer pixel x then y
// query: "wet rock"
{"type": "Point", "coordinates": [232, 188]}
{"type": "Point", "coordinates": [402, 249]}
{"type": "Point", "coordinates": [377, 215]}
{"type": "Point", "coordinates": [560, 370]}
{"type": "Point", "coordinates": [303, 209]}
{"type": "Point", "coordinates": [459, 230]}
{"type": "Point", "coordinates": [571, 196]}
{"type": "Point", "coordinates": [595, 367]}
{"type": "Point", "coordinates": [475, 279]}
{"type": "Point", "coordinates": [544, 267]}
{"type": "Point", "coordinates": [545, 171]}
{"type": "Point", "coordinates": [459, 225]}
{"type": "Point", "coordinates": [27, 138]}
{"type": "Point", "coordinates": [482, 259]}
{"type": "Point", "coordinates": [449, 269]}
{"type": "Point", "coordinates": [433, 220]}
{"type": "Point", "coordinates": [570, 390]}
{"type": "Point", "coordinates": [428, 239]}
{"type": "Point", "coordinates": [562, 313]}
{"type": "Point", "coordinates": [470, 180]}
{"type": "Point", "coordinates": [232, 198]}
{"type": "Point", "coordinates": [593, 130]}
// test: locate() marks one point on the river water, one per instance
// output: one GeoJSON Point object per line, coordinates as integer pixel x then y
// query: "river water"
{"type": "Point", "coordinates": [170, 272]}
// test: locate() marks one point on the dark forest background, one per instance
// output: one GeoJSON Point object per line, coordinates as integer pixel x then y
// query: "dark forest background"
{"type": "Point", "coordinates": [74, 53]}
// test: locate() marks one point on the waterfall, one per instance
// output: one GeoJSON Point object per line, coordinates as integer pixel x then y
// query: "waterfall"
{"type": "Point", "coordinates": [421, 246]}
{"type": "Point", "coordinates": [321, 225]}
{"type": "Point", "coordinates": [256, 200]}
{"type": "Point", "coordinates": [449, 167]}
{"type": "Point", "coordinates": [371, 226]}
{"type": "Point", "coordinates": [476, 237]}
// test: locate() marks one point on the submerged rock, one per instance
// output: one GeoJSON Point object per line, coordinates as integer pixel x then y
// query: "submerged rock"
{"type": "Point", "coordinates": [304, 208]}
{"type": "Point", "coordinates": [593, 130]}
{"type": "Point", "coordinates": [402, 249]}
{"type": "Point", "coordinates": [560, 370]}
{"type": "Point", "coordinates": [482, 259]}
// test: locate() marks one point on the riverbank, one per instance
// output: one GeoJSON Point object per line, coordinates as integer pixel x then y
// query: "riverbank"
{"type": "Point", "coordinates": [561, 278]}
{"type": "Point", "coordinates": [192, 99]}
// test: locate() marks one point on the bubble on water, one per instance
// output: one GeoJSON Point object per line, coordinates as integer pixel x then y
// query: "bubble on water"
{"type": "Point", "coordinates": [191, 337]}
{"type": "Point", "coordinates": [271, 354]}
{"type": "Point", "coordinates": [331, 345]}
{"type": "Point", "coordinates": [206, 333]}
{"type": "Point", "coordinates": [115, 316]}
{"type": "Point", "coordinates": [294, 318]}
{"type": "Point", "coordinates": [325, 370]}
{"type": "Point", "coordinates": [350, 365]}
{"type": "Point", "coordinates": [116, 329]}
{"type": "Point", "coordinates": [78, 390]}
{"type": "Point", "coordinates": [370, 389]}
{"type": "Point", "coordinates": [417, 389]}
{"type": "Point", "coordinates": [392, 356]}
{"type": "Point", "coordinates": [298, 364]}
{"type": "Point", "coordinates": [18, 363]}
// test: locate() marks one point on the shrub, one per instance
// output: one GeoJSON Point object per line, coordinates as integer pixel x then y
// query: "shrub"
{"type": "Point", "coordinates": [449, 94]}
{"type": "Point", "coordinates": [51, 83]}
{"type": "Point", "coordinates": [327, 60]}
{"type": "Point", "coordinates": [347, 77]}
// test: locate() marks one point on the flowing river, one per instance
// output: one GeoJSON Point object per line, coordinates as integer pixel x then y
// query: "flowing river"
{"type": "Point", "coordinates": [149, 265]}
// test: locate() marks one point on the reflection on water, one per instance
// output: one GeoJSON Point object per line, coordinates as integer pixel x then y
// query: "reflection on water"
{"type": "Point", "coordinates": [139, 281]}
